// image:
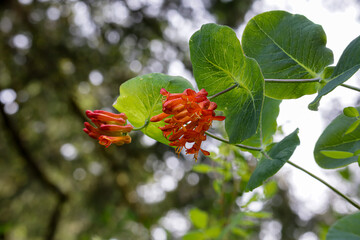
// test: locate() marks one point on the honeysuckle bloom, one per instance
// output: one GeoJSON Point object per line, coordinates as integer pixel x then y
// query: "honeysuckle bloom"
{"type": "Point", "coordinates": [191, 114]}
{"type": "Point", "coordinates": [109, 127]}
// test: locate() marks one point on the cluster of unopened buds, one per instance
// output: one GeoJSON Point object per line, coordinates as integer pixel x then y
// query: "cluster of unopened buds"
{"type": "Point", "coordinates": [187, 115]}
{"type": "Point", "coordinates": [109, 127]}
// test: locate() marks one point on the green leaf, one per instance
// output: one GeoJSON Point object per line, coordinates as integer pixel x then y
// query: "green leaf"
{"type": "Point", "coordinates": [270, 189]}
{"type": "Point", "coordinates": [287, 46]}
{"type": "Point", "coordinates": [278, 155]}
{"type": "Point", "coordinates": [140, 99]}
{"type": "Point", "coordinates": [269, 115]}
{"type": "Point", "coordinates": [213, 232]}
{"type": "Point", "coordinates": [219, 63]}
{"type": "Point", "coordinates": [347, 66]}
{"type": "Point", "coordinates": [334, 138]}
{"type": "Point", "coordinates": [194, 235]}
{"type": "Point", "coordinates": [345, 228]}
{"type": "Point", "coordinates": [352, 127]}
{"type": "Point", "coordinates": [336, 154]}
{"type": "Point", "coordinates": [198, 218]}
{"type": "Point", "coordinates": [351, 112]}
{"type": "Point", "coordinates": [203, 168]}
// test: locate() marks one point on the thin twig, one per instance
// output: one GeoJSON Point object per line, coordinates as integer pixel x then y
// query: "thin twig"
{"type": "Point", "coordinates": [293, 80]}
{"type": "Point", "coordinates": [224, 91]}
{"type": "Point", "coordinates": [294, 165]}
{"type": "Point", "coordinates": [238, 145]}
{"type": "Point", "coordinates": [326, 184]}
{"type": "Point", "coordinates": [143, 126]}
{"type": "Point", "coordinates": [350, 87]}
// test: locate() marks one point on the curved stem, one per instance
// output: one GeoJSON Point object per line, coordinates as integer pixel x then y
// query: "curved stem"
{"type": "Point", "coordinates": [350, 87]}
{"type": "Point", "coordinates": [326, 184]}
{"type": "Point", "coordinates": [143, 126]}
{"type": "Point", "coordinates": [293, 80]}
{"type": "Point", "coordinates": [292, 164]}
{"type": "Point", "coordinates": [224, 91]}
{"type": "Point", "coordinates": [238, 145]}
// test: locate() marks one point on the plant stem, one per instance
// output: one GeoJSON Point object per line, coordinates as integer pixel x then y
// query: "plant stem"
{"type": "Point", "coordinates": [292, 164]}
{"type": "Point", "coordinates": [238, 145]}
{"type": "Point", "coordinates": [350, 87]}
{"type": "Point", "coordinates": [293, 80]}
{"type": "Point", "coordinates": [326, 184]}
{"type": "Point", "coordinates": [143, 126]}
{"type": "Point", "coordinates": [224, 91]}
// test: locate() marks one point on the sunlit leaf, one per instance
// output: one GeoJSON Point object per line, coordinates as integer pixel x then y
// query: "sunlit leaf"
{"type": "Point", "coordinates": [347, 66]}
{"type": "Point", "coordinates": [352, 127]}
{"type": "Point", "coordinates": [198, 218]}
{"type": "Point", "coordinates": [278, 155]}
{"type": "Point", "coordinates": [287, 46]}
{"type": "Point", "coordinates": [336, 154]}
{"type": "Point", "coordinates": [345, 228]}
{"type": "Point", "coordinates": [140, 99]}
{"type": "Point", "coordinates": [334, 138]}
{"type": "Point", "coordinates": [351, 112]}
{"type": "Point", "coordinates": [219, 63]}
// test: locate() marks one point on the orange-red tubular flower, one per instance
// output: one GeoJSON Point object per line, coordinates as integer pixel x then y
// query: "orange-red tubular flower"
{"type": "Point", "coordinates": [109, 127]}
{"type": "Point", "coordinates": [191, 115]}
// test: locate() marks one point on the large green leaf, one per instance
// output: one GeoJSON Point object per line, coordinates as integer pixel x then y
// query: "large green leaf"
{"type": "Point", "coordinates": [334, 139]}
{"type": "Point", "coordinates": [345, 228]}
{"type": "Point", "coordinates": [140, 99]}
{"type": "Point", "coordinates": [278, 155]}
{"type": "Point", "coordinates": [269, 115]}
{"type": "Point", "coordinates": [347, 66]}
{"type": "Point", "coordinates": [218, 63]}
{"type": "Point", "coordinates": [287, 46]}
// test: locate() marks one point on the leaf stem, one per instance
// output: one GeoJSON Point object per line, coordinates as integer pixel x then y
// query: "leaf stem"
{"type": "Point", "coordinates": [292, 164]}
{"type": "Point", "coordinates": [326, 184]}
{"type": "Point", "coordinates": [238, 145]}
{"type": "Point", "coordinates": [292, 80]}
{"type": "Point", "coordinates": [224, 91]}
{"type": "Point", "coordinates": [143, 126]}
{"type": "Point", "coordinates": [350, 87]}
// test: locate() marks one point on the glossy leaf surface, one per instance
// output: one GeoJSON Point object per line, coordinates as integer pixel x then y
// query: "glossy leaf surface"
{"type": "Point", "coordinates": [287, 46]}
{"type": "Point", "coordinates": [140, 99]}
{"type": "Point", "coordinates": [219, 63]}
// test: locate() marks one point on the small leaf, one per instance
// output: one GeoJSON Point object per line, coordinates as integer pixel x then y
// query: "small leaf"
{"type": "Point", "coordinates": [140, 99]}
{"type": "Point", "coordinates": [198, 218]}
{"type": "Point", "coordinates": [336, 154]}
{"type": "Point", "coordinates": [270, 189]}
{"type": "Point", "coordinates": [279, 154]}
{"type": "Point", "coordinates": [352, 127]}
{"type": "Point", "coordinates": [213, 232]}
{"type": "Point", "coordinates": [258, 214]}
{"type": "Point", "coordinates": [351, 112]}
{"type": "Point", "coordinates": [357, 152]}
{"type": "Point", "coordinates": [334, 138]}
{"type": "Point", "coordinates": [203, 168]}
{"type": "Point", "coordinates": [345, 228]}
{"type": "Point", "coordinates": [219, 63]}
{"type": "Point", "coordinates": [287, 46]}
{"type": "Point", "coordinates": [194, 235]}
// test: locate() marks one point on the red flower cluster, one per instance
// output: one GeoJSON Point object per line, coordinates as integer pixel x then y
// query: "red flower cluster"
{"type": "Point", "coordinates": [192, 115]}
{"type": "Point", "coordinates": [110, 127]}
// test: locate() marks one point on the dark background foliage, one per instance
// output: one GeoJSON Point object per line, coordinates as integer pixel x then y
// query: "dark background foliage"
{"type": "Point", "coordinates": [60, 58]}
